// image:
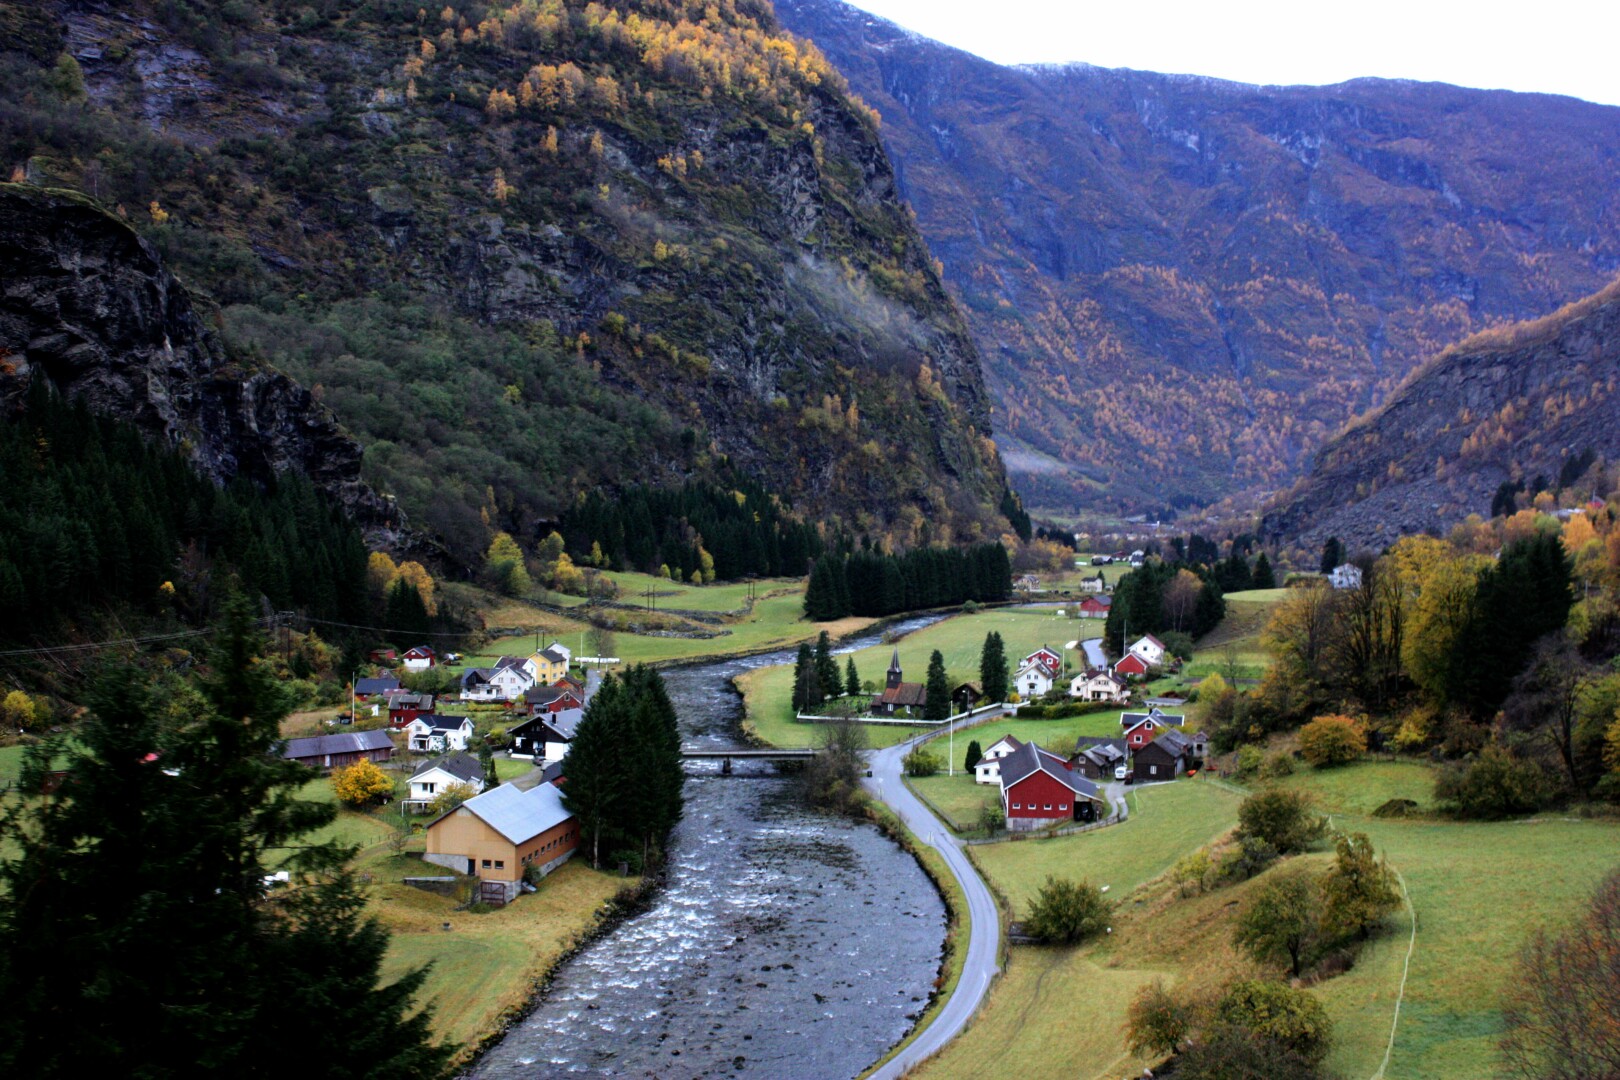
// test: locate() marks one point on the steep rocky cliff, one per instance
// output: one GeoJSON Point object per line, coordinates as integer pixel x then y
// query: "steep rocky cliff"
{"type": "Point", "coordinates": [87, 304]}
{"type": "Point", "coordinates": [1182, 287]}
{"type": "Point", "coordinates": [1505, 405]}
{"type": "Point", "coordinates": [524, 250]}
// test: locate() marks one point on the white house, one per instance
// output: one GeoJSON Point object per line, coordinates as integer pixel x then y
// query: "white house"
{"type": "Point", "coordinates": [1347, 576]}
{"type": "Point", "coordinates": [444, 773]}
{"type": "Point", "coordinates": [1150, 649]}
{"type": "Point", "coordinates": [1034, 678]}
{"type": "Point", "coordinates": [988, 768]}
{"type": "Point", "coordinates": [496, 683]}
{"type": "Point", "coordinates": [1094, 584]}
{"type": "Point", "coordinates": [433, 733]}
{"type": "Point", "coordinates": [1099, 684]}
{"type": "Point", "coordinates": [526, 665]}
{"type": "Point", "coordinates": [419, 658]}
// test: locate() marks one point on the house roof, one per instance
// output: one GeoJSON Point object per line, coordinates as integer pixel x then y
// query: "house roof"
{"type": "Point", "coordinates": [1030, 759]}
{"type": "Point", "coordinates": [380, 685]}
{"type": "Point", "coordinates": [1011, 740]}
{"type": "Point", "coordinates": [970, 686]}
{"type": "Point", "coordinates": [475, 675]}
{"type": "Point", "coordinates": [1131, 719]}
{"type": "Point", "coordinates": [1174, 741]}
{"type": "Point", "coordinates": [1150, 637]}
{"type": "Point", "coordinates": [407, 700]}
{"type": "Point", "coordinates": [460, 764]}
{"type": "Point", "coordinates": [420, 650]}
{"type": "Point", "coordinates": [516, 815]}
{"type": "Point", "coordinates": [564, 723]}
{"type": "Point", "coordinates": [1098, 601]}
{"type": "Point", "coordinates": [349, 742]}
{"type": "Point", "coordinates": [551, 654]}
{"type": "Point", "coordinates": [907, 693]}
{"type": "Point", "coordinates": [1100, 673]}
{"type": "Point", "coordinates": [1046, 669]}
{"type": "Point", "coordinates": [1133, 660]}
{"type": "Point", "coordinates": [435, 722]}
{"type": "Point", "coordinates": [510, 661]}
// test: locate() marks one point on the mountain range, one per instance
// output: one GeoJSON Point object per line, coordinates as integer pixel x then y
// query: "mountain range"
{"type": "Point", "coordinates": [1182, 287]}
{"type": "Point", "coordinates": [520, 251]}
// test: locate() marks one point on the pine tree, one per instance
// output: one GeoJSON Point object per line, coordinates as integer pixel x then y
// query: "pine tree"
{"type": "Point", "coordinates": [993, 668]}
{"type": "Point", "coordinates": [806, 681]}
{"type": "Point", "coordinates": [596, 783]}
{"type": "Point", "coordinates": [406, 613]}
{"type": "Point", "coordinates": [937, 706]}
{"type": "Point", "coordinates": [1332, 554]}
{"type": "Point", "coordinates": [826, 666]}
{"type": "Point", "coordinates": [188, 964]}
{"type": "Point", "coordinates": [852, 679]}
{"type": "Point", "coordinates": [974, 753]}
{"type": "Point", "coordinates": [1263, 577]}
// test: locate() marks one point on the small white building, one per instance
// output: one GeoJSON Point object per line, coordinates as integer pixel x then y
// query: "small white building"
{"type": "Point", "coordinates": [441, 774]}
{"type": "Point", "coordinates": [434, 734]}
{"type": "Point", "coordinates": [419, 658]}
{"type": "Point", "coordinates": [1150, 649]}
{"type": "Point", "coordinates": [497, 683]}
{"type": "Point", "coordinates": [1094, 584]}
{"type": "Point", "coordinates": [1346, 576]}
{"type": "Point", "coordinates": [988, 768]}
{"type": "Point", "coordinates": [1034, 678]}
{"type": "Point", "coordinates": [1099, 685]}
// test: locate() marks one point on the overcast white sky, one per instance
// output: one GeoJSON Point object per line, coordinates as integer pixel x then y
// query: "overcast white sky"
{"type": "Point", "coordinates": [1549, 46]}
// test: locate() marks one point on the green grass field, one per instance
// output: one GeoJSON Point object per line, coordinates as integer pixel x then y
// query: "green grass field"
{"type": "Point", "coordinates": [724, 596]}
{"type": "Point", "coordinates": [1478, 890]}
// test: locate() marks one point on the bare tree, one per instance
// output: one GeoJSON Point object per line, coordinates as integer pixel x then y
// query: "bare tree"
{"type": "Point", "coordinates": [1561, 1005]}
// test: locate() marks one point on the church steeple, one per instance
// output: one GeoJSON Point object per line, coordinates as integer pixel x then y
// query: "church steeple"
{"type": "Point", "coordinates": [894, 669]}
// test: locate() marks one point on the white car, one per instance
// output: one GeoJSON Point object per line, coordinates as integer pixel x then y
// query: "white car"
{"type": "Point", "coordinates": [1120, 772]}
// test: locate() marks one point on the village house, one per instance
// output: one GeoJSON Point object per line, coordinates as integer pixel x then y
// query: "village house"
{"type": "Point", "coordinates": [988, 768]}
{"type": "Point", "coordinates": [525, 664]}
{"type": "Point", "coordinates": [551, 699]}
{"type": "Point", "coordinates": [339, 751]}
{"type": "Point", "coordinates": [495, 683]}
{"type": "Point", "coordinates": [1039, 789]}
{"type": "Point", "coordinates": [1346, 576]}
{"type": "Point", "coordinates": [1099, 759]}
{"type": "Point", "coordinates": [965, 695]}
{"type": "Point", "coordinates": [1131, 665]}
{"type": "Point", "coordinates": [1046, 656]}
{"type": "Point", "coordinates": [1033, 680]}
{"type": "Point", "coordinates": [1150, 649]}
{"type": "Point", "coordinates": [898, 694]}
{"type": "Point", "coordinates": [404, 706]}
{"type": "Point", "coordinates": [1096, 583]}
{"type": "Point", "coordinates": [1139, 729]}
{"type": "Point", "coordinates": [1096, 607]}
{"type": "Point", "coordinates": [434, 734]}
{"type": "Point", "coordinates": [546, 736]}
{"type": "Point", "coordinates": [551, 663]}
{"type": "Point", "coordinates": [382, 656]}
{"type": "Point", "coordinates": [420, 658]}
{"type": "Point", "coordinates": [376, 687]}
{"type": "Point", "coordinates": [495, 836]}
{"type": "Point", "coordinates": [1099, 684]}
{"type": "Point", "coordinates": [441, 774]}
{"type": "Point", "coordinates": [1165, 758]}
{"type": "Point", "coordinates": [1027, 583]}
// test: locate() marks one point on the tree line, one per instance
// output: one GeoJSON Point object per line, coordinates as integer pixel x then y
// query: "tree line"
{"type": "Point", "coordinates": [873, 583]}
{"type": "Point", "coordinates": [92, 514]}
{"type": "Point", "coordinates": [1164, 598]}
{"type": "Point", "coordinates": [624, 770]}
{"type": "Point", "coordinates": [741, 529]}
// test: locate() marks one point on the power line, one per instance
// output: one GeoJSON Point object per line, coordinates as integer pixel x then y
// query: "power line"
{"type": "Point", "coordinates": [92, 646]}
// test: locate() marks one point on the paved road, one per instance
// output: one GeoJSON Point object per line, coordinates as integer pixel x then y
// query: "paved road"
{"type": "Point", "coordinates": [984, 942]}
{"type": "Point", "coordinates": [1095, 656]}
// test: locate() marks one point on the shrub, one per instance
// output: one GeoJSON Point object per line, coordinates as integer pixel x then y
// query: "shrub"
{"type": "Point", "coordinates": [1155, 1022]}
{"type": "Point", "coordinates": [1291, 1019]}
{"type": "Point", "coordinates": [1192, 871]}
{"type": "Point", "coordinates": [450, 798]}
{"type": "Point", "coordinates": [1066, 912]}
{"type": "Point", "coordinates": [1250, 857]}
{"type": "Point", "coordinates": [1396, 808]}
{"type": "Point", "coordinates": [920, 762]}
{"type": "Point", "coordinates": [1281, 923]}
{"type": "Point", "coordinates": [1178, 643]}
{"type": "Point", "coordinates": [1494, 785]}
{"type": "Point", "coordinates": [1358, 892]}
{"type": "Point", "coordinates": [1332, 740]}
{"type": "Point", "coordinates": [1277, 766]}
{"type": "Point", "coordinates": [974, 753]}
{"type": "Point", "coordinates": [1230, 1054]}
{"type": "Point", "coordinates": [1283, 819]}
{"type": "Point", "coordinates": [361, 784]}
{"type": "Point", "coordinates": [1248, 761]}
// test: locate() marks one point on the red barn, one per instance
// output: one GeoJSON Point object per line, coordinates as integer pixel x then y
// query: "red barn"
{"type": "Point", "coordinates": [1039, 789]}
{"type": "Point", "coordinates": [1131, 665]}
{"type": "Point", "coordinates": [1096, 607]}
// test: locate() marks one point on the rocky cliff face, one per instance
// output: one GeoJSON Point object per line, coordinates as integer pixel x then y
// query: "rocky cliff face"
{"type": "Point", "coordinates": [1183, 287]}
{"type": "Point", "coordinates": [1505, 405]}
{"type": "Point", "coordinates": [85, 303]}
{"type": "Point", "coordinates": [602, 244]}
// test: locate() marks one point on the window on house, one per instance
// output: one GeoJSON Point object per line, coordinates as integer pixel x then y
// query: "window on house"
{"type": "Point", "coordinates": [1153, 770]}
{"type": "Point", "coordinates": [1063, 806]}
{"type": "Point", "coordinates": [428, 788]}
{"type": "Point", "coordinates": [500, 864]}
{"type": "Point", "coordinates": [485, 864]}
{"type": "Point", "coordinates": [1048, 806]}
{"type": "Point", "coordinates": [1017, 807]}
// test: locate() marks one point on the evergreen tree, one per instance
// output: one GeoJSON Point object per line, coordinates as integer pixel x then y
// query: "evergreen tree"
{"type": "Point", "coordinates": [138, 937]}
{"type": "Point", "coordinates": [1263, 577]}
{"type": "Point", "coordinates": [1332, 554]}
{"type": "Point", "coordinates": [974, 753]}
{"type": "Point", "coordinates": [826, 666]}
{"type": "Point", "coordinates": [596, 781]}
{"type": "Point", "coordinates": [993, 668]}
{"type": "Point", "coordinates": [852, 680]}
{"type": "Point", "coordinates": [807, 693]}
{"type": "Point", "coordinates": [937, 706]}
{"type": "Point", "coordinates": [406, 613]}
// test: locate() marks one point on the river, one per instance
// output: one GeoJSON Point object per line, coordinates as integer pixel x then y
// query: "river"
{"type": "Point", "coordinates": [785, 942]}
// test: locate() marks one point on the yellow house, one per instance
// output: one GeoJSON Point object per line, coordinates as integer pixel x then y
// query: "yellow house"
{"type": "Point", "coordinates": [550, 664]}
{"type": "Point", "coordinates": [494, 836]}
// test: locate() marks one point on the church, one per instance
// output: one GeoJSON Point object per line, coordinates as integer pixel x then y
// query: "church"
{"type": "Point", "coordinates": [897, 694]}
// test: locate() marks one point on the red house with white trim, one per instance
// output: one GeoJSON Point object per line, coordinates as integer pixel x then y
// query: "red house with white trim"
{"type": "Point", "coordinates": [1039, 789]}
{"type": "Point", "coordinates": [1131, 664]}
{"type": "Point", "coordinates": [1141, 728]}
{"type": "Point", "coordinates": [1052, 661]}
{"type": "Point", "coordinates": [419, 658]}
{"type": "Point", "coordinates": [1096, 607]}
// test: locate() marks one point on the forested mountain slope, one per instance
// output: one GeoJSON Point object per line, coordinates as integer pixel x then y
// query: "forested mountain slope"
{"type": "Point", "coordinates": [530, 248]}
{"type": "Point", "coordinates": [1503, 407]}
{"type": "Point", "coordinates": [1182, 287]}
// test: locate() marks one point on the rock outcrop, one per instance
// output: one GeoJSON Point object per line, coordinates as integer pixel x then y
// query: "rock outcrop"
{"type": "Point", "coordinates": [87, 304]}
{"type": "Point", "coordinates": [1505, 405]}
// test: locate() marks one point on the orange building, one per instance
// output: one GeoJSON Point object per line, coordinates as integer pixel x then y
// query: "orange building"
{"type": "Point", "coordinates": [496, 835]}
